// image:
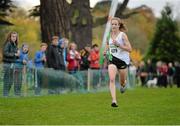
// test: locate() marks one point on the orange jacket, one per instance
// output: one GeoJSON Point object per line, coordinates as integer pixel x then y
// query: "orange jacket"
{"type": "Point", "coordinates": [94, 59]}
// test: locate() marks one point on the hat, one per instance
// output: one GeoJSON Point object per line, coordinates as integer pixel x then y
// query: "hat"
{"type": "Point", "coordinates": [25, 46]}
{"type": "Point", "coordinates": [61, 41]}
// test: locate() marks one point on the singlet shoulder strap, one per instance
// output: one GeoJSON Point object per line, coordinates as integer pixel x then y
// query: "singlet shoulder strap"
{"type": "Point", "coordinates": [121, 34]}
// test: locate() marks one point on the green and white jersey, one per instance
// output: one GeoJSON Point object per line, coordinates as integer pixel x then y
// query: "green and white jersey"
{"type": "Point", "coordinates": [118, 52]}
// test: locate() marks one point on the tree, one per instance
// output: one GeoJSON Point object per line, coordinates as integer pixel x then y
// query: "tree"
{"type": "Point", "coordinates": [80, 22]}
{"type": "Point", "coordinates": [5, 7]}
{"type": "Point", "coordinates": [165, 45]}
{"type": "Point", "coordinates": [54, 19]}
{"type": "Point", "coordinates": [73, 20]}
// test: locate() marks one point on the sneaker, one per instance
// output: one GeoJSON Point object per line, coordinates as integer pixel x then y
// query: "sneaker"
{"type": "Point", "coordinates": [123, 88]}
{"type": "Point", "coordinates": [114, 104]}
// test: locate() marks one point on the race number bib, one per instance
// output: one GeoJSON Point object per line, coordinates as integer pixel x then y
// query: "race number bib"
{"type": "Point", "coordinates": [113, 49]}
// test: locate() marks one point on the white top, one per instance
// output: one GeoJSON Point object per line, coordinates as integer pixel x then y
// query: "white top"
{"type": "Point", "coordinates": [118, 52]}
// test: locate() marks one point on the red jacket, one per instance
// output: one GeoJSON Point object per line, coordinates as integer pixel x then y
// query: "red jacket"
{"type": "Point", "coordinates": [164, 70]}
{"type": "Point", "coordinates": [73, 60]}
{"type": "Point", "coordinates": [94, 59]}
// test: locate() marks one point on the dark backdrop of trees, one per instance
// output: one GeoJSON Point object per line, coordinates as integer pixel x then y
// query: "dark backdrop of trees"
{"type": "Point", "coordinates": [73, 20]}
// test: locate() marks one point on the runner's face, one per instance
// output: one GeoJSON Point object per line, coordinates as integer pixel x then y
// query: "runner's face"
{"type": "Point", "coordinates": [114, 25]}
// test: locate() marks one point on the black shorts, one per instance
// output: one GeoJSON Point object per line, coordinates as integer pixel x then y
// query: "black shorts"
{"type": "Point", "coordinates": [119, 63]}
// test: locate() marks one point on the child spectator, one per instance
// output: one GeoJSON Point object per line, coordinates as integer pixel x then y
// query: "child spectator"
{"type": "Point", "coordinates": [94, 64]}
{"type": "Point", "coordinates": [73, 58]}
{"type": "Point", "coordinates": [94, 57]}
{"type": "Point", "coordinates": [63, 43]}
{"type": "Point", "coordinates": [40, 57]}
{"type": "Point", "coordinates": [39, 60]}
{"type": "Point", "coordinates": [24, 54]}
{"type": "Point", "coordinates": [84, 57]}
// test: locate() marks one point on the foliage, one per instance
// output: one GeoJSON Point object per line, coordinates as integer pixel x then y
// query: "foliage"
{"type": "Point", "coordinates": [165, 44]}
{"type": "Point", "coordinates": [28, 29]}
{"type": "Point", "coordinates": [136, 56]}
{"type": "Point", "coordinates": [5, 8]}
{"type": "Point", "coordinates": [101, 9]}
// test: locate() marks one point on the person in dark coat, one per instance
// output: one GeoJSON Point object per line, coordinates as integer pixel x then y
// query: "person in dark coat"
{"type": "Point", "coordinates": [84, 57]}
{"type": "Point", "coordinates": [55, 57]}
{"type": "Point", "coordinates": [10, 57]}
{"type": "Point", "coordinates": [55, 60]}
{"type": "Point", "coordinates": [177, 74]}
{"type": "Point", "coordinates": [150, 70]}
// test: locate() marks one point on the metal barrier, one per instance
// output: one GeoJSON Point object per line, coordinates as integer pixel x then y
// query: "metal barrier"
{"type": "Point", "coordinates": [23, 81]}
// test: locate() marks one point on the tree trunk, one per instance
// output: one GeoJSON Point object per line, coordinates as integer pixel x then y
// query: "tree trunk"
{"type": "Point", "coordinates": [53, 19]}
{"type": "Point", "coordinates": [80, 22]}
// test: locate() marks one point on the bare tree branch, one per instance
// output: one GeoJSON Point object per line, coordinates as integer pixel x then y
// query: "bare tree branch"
{"type": "Point", "coordinates": [122, 8]}
{"type": "Point", "coordinates": [3, 22]}
{"type": "Point", "coordinates": [100, 21]}
{"type": "Point", "coordinates": [137, 10]}
{"type": "Point", "coordinates": [125, 16]}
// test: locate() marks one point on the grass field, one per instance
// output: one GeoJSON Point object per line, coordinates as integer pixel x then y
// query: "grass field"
{"type": "Point", "coordinates": [137, 106]}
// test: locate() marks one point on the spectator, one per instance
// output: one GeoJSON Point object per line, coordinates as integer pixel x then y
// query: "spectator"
{"type": "Point", "coordinates": [55, 60]}
{"type": "Point", "coordinates": [171, 72]}
{"type": "Point", "coordinates": [150, 70]}
{"type": "Point", "coordinates": [142, 73]}
{"type": "Point", "coordinates": [84, 57]}
{"type": "Point", "coordinates": [39, 60]}
{"type": "Point", "coordinates": [73, 58]}
{"type": "Point", "coordinates": [94, 64]}
{"type": "Point", "coordinates": [24, 54]}
{"type": "Point", "coordinates": [10, 56]}
{"type": "Point", "coordinates": [40, 56]}
{"type": "Point", "coordinates": [177, 74]}
{"type": "Point", "coordinates": [23, 62]}
{"type": "Point", "coordinates": [28, 65]}
{"type": "Point", "coordinates": [163, 73]}
{"type": "Point", "coordinates": [94, 57]}
{"type": "Point", "coordinates": [55, 57]}
{"type": "Point", "coordinates": [63, 43]}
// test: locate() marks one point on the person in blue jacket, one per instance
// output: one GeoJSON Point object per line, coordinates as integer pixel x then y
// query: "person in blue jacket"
{"type": "Point", "coordinates": [39, 62]}
{"type": "Point", "coordinates": [24, 54]}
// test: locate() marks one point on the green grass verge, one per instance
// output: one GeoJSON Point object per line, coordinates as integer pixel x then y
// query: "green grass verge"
{"type": "Point", "coordinates": [138, 106]}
